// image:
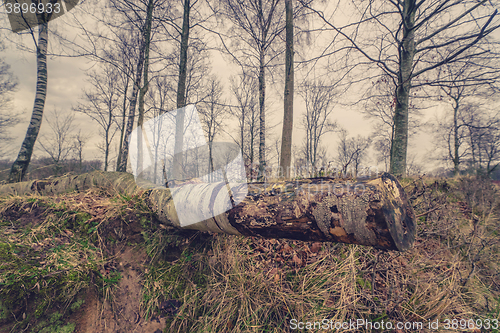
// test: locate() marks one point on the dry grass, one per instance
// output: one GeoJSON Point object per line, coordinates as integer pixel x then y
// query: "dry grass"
{"type": "Point", "coordinates": [53, 249]}
{"type": "Point", "coordinates": [255, 285]}
{"type": "Point", "coordinates": [220, 283]}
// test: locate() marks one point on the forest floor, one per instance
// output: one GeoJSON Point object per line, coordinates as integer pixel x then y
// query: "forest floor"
{"type": "Point", "coordinates": [101, 262]}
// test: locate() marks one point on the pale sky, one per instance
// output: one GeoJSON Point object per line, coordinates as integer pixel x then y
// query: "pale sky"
{"type": "Point", "coordinates": [66, 78]}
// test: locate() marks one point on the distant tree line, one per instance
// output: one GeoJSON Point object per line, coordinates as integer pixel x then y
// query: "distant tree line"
{"type": "Point", "coordinates": [153, 56]}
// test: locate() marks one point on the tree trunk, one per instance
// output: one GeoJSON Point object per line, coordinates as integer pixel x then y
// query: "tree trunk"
{"type": "Point", "coordinates": [178, 170]}
{"type": "Point", "coordinates": [21, 164]}
{"type": "Point", "coordinates": [242, 133]}
{"type": "Point", "coordinates": [130, 123]}
{"type": "Point", "coordinates": [286, 136]}
{"type": "Point", "coordinates": [122, 132]}
{"type": "Point", "coordinates": [456, 157]}
{"type": "Point", "coordinates": [106, 148]}
{"type": "Point", "coordinates": [252, 152]}
{"type": "Point", "coordinates": [144, 89]}
{"type": "Point", "coordinates": [406, 55]}
{"type": "Point", "coordinates": [262, 118]}
{"type": "Point", "coordinates": [133, 100]}
{"type": "Point", "coordinates": [373, 212]}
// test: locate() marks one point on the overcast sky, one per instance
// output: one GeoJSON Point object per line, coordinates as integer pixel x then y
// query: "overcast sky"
{"type": "Point", "coordinates": [66, 78]}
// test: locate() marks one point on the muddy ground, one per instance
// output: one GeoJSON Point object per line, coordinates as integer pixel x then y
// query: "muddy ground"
{"type": "Point", "coordinates": [119, 310]}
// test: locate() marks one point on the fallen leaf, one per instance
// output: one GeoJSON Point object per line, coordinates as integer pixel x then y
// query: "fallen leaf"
{"type": "Point", "coordinates": [297, 260]}
{"type": "Point", "coordinates": [316, 247]}
{"type": "Point", "coordinates": [287, 248]}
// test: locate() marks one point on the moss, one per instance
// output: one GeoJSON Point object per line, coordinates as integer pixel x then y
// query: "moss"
{"type": "Point", "coordinates": [42, 268]}
{"type": "Point", "coordinates": [55, 323]}
{"type": "Point", "coordinates": [55, 317]}
{"type": "Point", "coordinates": [75, 306]}
{"type": "Point", "coordinates": [4, 313]}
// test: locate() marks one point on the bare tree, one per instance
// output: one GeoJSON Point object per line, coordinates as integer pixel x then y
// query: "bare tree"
{"type": "Point", "coordinates": [212, 112]}
{"type": "Point", "coordinates": [58, 144]}
{"type": "Point", "coordinates": [145, 29]}
{"type": "Point", "coordinates": [246, 111]}
{"type": "Point", "coordinates": [382, 146]}
{"type": "Point", "coordinates": [127, 37]}
{"type": "Point", "coordinates": [490, 147]}
{"type": "Point", "coordinates": [286, 136]}
{"type": "Point", "coordinates": [8, 118]}
{"type": "Point", "coordinates": [351, 152]}
{"type": "Point", "coordinates": [102, 104]}
{"type": "Point", "coordinates": [80, 140]}
{"type": "Point", "coordinates": [20, 166]}
{"type": "Point", "coordinates": [461, 83]}
{"type": "Point", "coordinates": [484, 139]}
{"type": "Point", "coordinates": [181, 33]}
{"type": "Point", "coordinates": [256, 26]}
{"type": "Point", "coordinates": [414, 38]}
{"type": "Point", "coordinates": [122, 59]}
{"type": "Point", "coordinates": [319, 99]}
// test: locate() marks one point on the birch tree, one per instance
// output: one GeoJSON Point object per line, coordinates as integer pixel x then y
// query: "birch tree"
{"type": "Point", "coordinates": [319, 100]}
{"type": "Point", "coordinates": [122, 57]}
{"type": "Point", "coordinates": [414, 38]}
{"type": "Point", "coordinates": [20, 166]}
{"type": "Point", "coordinates": [351, 152]}
{"type": "Point", "coordinates": [461, 84]}
{"type": "Point", "coordinates": [246, 112]}
{"type": "Point", "coordinates": [8, 118]}
{"type": "Point", "coordinates": [143, 47]}
{"type": "Point", "coordinates": [102, 104]}
{"type": "Point", "coordinates": [181, 33]}
{"type": "Point", "coordinates": [256, 27]}
{"type": "Point", "coordinates": [286, 136]}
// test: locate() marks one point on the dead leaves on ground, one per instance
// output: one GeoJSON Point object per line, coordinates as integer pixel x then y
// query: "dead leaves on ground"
{"type": "Point", "coordinates": [275, 256]}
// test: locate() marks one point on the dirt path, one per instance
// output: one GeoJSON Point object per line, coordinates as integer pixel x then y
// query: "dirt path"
{"type": "Point", "coordinates": [122, 313]}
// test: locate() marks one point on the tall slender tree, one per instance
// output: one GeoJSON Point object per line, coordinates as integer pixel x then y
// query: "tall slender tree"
{"type": "Point", "coordinates": [319, 100]}
{"type": "Point", "coordinates": [144, 44]}
{"type": "Point", "coordinates": [243, 89]}
{"type": "Point", "coordinates": [102, 104]}
{"type": "Point", "coordinates": [181, 93]}
{"type": "Point", "coordinates": [20, 166]}
{"type": "Point", "coordinates": [286, 136]}
{"type": "Point", "coordinates": [256, 26]}
{"type": "Point", "coordinates": [212, 112]}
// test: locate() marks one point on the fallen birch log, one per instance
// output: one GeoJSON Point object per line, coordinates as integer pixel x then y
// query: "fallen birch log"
{"type": "Point", "coordinates": [372, 212]}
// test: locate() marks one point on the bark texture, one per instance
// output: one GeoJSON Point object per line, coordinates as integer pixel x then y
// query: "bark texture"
{"type": "Point", "coordinates": [262, 118]}
{"type": "Point", "coordinates": [286, 136]}
{"type": "Point", "coordinates": [178, 169]}
{"type": "Point", "coordinates": [20, 166]}
{"type": "Point", "coordinates": [144, 89]}
{"type": "Point", "coordinates": [406, 54]}
{"type": "Point", "coordinates": [135, 90]}
{"type": "Point", "coordinates": [372, 212]}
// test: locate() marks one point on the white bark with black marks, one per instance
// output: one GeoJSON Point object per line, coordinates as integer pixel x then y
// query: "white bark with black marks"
{"type": "Point", "coordinates": [372, 212]}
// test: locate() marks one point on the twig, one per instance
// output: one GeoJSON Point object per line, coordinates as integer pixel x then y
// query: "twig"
{"type": "Point", "coordinates": [429, 211]}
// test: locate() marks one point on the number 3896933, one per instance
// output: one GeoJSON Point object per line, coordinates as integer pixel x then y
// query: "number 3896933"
{"type": "Point", "coordinates": [33, 8]}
